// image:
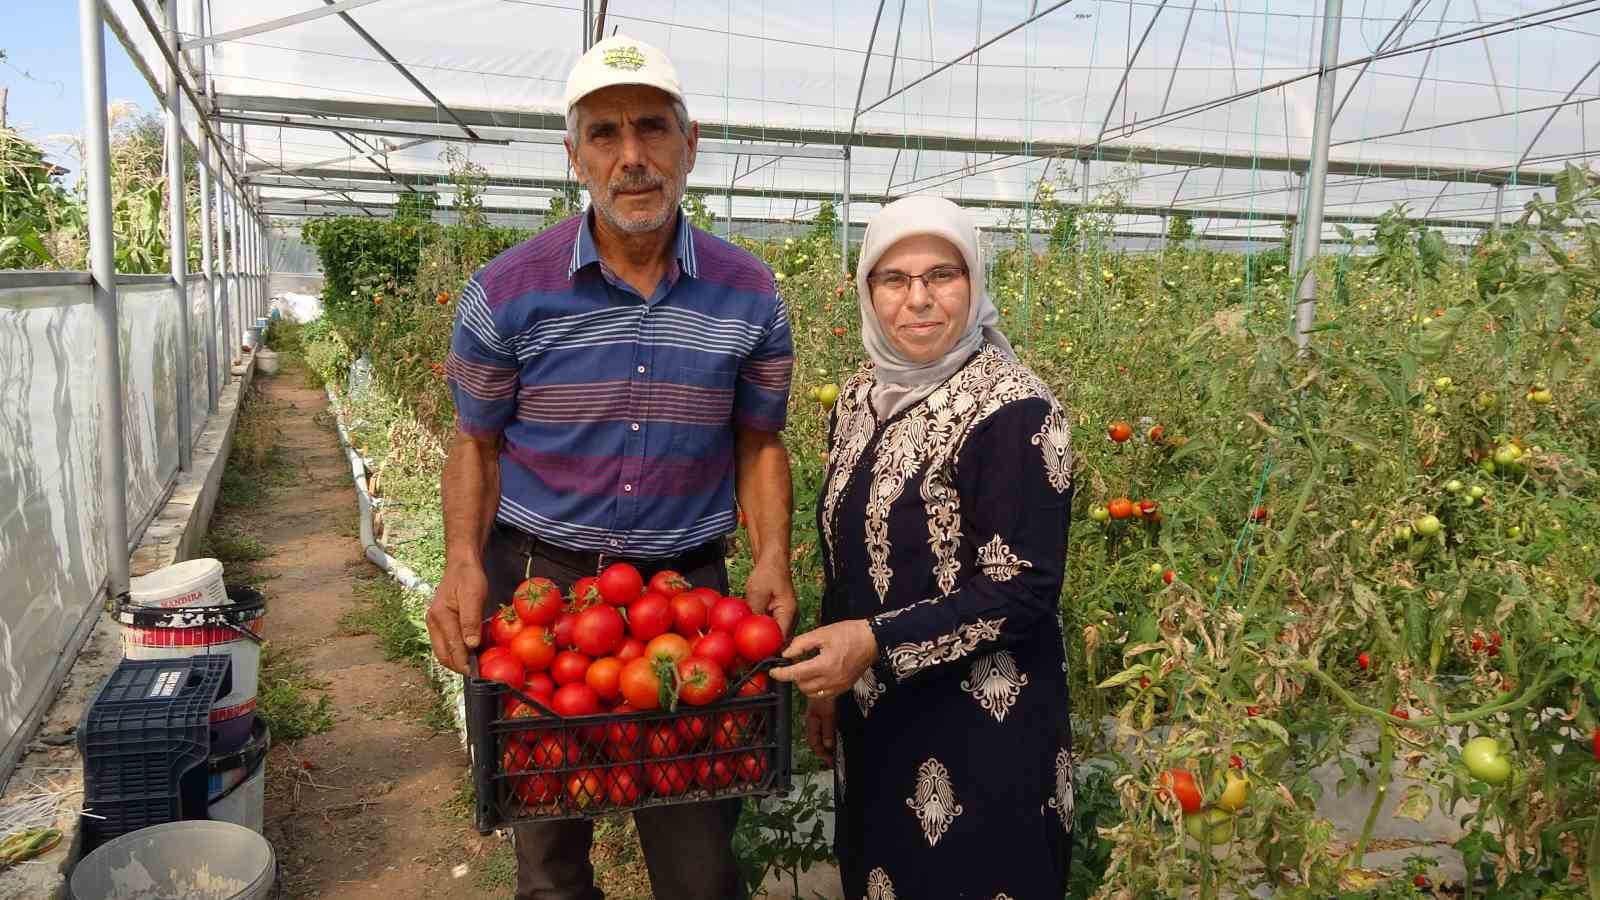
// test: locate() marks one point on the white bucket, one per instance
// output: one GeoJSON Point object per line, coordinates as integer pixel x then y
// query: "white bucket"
{"type": "Point", "coordinates": [233, 630]}
{"type": "Point", "coordinates": [266, 362]}
{"type": "Point", "coordinates": [195, 582]}
{"type": "Point", "coordinates": [238, 782]}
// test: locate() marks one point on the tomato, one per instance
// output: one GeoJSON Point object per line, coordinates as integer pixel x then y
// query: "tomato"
{"type": "Point", "coordinates": [497, 664]}
{"type": "Point", "coordinates": [1235, 762]}
{"type": "Point", "coordinates": [1156, 434]}
{"type": "Point", "coordinates": [640, 685]}
{"type": "Point", "coordinates": [700, 681]}
{"type": "Point", "coordinates": [707, 596]}
{"type": "Point", "coordinates": [1399, 713]}
{"type": "Point", "coordinates": [630, 649]}
{"type": "Point", "coordinates": [562, 630]}
{"type": "Point", "coordinates": [539, 791]}
{"type": "Point", "coordinates": [662, 739]}
{"type": "Point", "coordinates": [1236, 795]}
{"type": "Point", "coordinates": [569, 667]}
{"type": "Point", "coordinates": [620, 584]}
{"type": "Point", "coordinates": [1168, 576]}
{"type": "Point", "coordinates": [537, 601]}
{"type": "Point", "coordinates": [624, 784]}
{"type": "Point", "coordinates": [649, 617]}
{"type": "Point", "coordinates": [1180, 783]}
{"type": "Point", "coordinates": [668, 583]}
{"type": "Point", "coordinates": [575, 700]}
{"type": "Point", "coordinates": [540, 686]}
{"type": "Point", "coordinates": [504, 626]}
{"type": "Point", "coordinates": [750, 766]}
{"type": "Point", "coordinates": [693, 731]}
{"type": "Point", "coordinates": [727, 613]}
{"type": "Point", "coordinates": [1214, 826]}
{"type": "Point", "coordinates": [1119, 431]}
{"type": "Point", "coordinates": [1120, 508]}
{"type": "Point", "coordinates": [673, 648]}
{"type": "Point", "coordinates": [688, 615]}
{"type": "Point", "coordinates": [758, 637]}
{"type": "Point", "coordinates": [1485, 761]}
{"type": "Point", "coordinates": [586, 591]}
{"type": "Point", "coordinates": [668, 779]}
{"type": "Point", "coordinates": [556, 751]}
{"type": "Point", "coordinates": [1259, 514]}
{"type": "Point", "coordinates": [587, 788]}
{"type": "Point", "coordinates": [517, 757]}
{"type": "Point", "coordinates": [1099, 513]}
{"type": "Point", "coordinates": [1148, 508]}
{"type": "Point", "coordinates": [1363, 660]}
{"type": "Point", "coordinates": [1597, 744]}
{"type": "Point", "coordinates": [733, 730]}
{"type": "Point", "coordinates": [534, 647]}
{"type": "Point", "coordinates": [1428, 525]}
{"type": "Point", "coordinates": [598, 631]}
{"type": "Point", "coordinates": [1477, 642]}
{"type": "Point", "coordinates": [758, 684]}
{"type": "Point", "coordinates": [713, 773]}
{"type": "Point", "coordinates": [605, 678]}
{"type": "Point", "coordinates": [718, 646]}
{"type": "Point", "coordinates": [624, 739]}
{"type": "Point", "coordinates": [1420, 882]}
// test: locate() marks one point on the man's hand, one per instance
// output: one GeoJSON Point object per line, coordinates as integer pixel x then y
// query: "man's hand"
{"type": "Point", "coordinates": [770, 590]}
{"type": "Point", "coordinates": [819, 728]}
{"type": "Point", "coordinates": [455, 617]}
{"type": "Point", "coordinates": [845, 651]}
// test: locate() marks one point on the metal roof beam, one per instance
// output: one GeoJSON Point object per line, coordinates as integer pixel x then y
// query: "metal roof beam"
{"type": "Point", "coordinates": [400, 67]}
{"type": "Point", "coordinates": [309, 15]}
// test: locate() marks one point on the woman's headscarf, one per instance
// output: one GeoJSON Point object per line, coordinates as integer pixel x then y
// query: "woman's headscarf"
{"type": "Point", "coordinates": [899, 382]}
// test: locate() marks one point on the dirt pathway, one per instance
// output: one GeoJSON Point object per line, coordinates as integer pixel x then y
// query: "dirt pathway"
{"type": "Point", "coordinates": [369, 807]}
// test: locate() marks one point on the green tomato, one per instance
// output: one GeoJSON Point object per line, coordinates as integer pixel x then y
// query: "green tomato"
{"type": "Point", "coordinates": [1514, 532]}
{"type": "Point", "coordinates": [1428, 525]}
{"type": "Point", "coordinates": [1155, 568]}
{"type": "Point", "coordinates": [1507, 454]}
{"type": "Point", "coordinates": [1485, 761]}
{"type": "Point", "coordinates": [1428, 409]}
{"type": "Point", "coordinates": [1453, 485]}
{"type": "Point", "coordinates": [1486, 401]}
{"type": "Point", "coordinates": [1402, 533]}
{"type": "Point", "coordinates": [1541, 396]}
{"type": "Point", "coordinates": [1486, 466]}
{"type": "Point", "coordinates": [827, 394]}
{"type": "Point", "coordinates": [1476, 492]}
{"type": "Point", "coordinates": [1215, 824]}
{"type": "Point", "coordinates": [1099, 513]}
{"type": "Point", "coordinates": [1443, 383]}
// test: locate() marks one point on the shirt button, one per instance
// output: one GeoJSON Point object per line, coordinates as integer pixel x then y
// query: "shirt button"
{"type": "Point", "coordinates": [616, 542]}
{"type": "Point", "coordinates": [627, 488]}
{"type": "Point", "coordinates": [641, 370]}
{"type": "Point", "coordinates": [636, 426]}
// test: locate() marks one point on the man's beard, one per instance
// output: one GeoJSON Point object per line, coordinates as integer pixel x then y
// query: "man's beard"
{"type": "Point", "coordinates": [672, 191]}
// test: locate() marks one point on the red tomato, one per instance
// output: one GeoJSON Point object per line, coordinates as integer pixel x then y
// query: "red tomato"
{"type": "Point", "coordinates": [700, 681]}
{"type": "Point", "coordinates": [1259, 513]}
{"type": "Point", "coordinates": [757, 637]}
{"type": "Point", "coordinates": [693, 731]}
{"type": "Point", "coordinates": [1597, 745]}
{"type": "Point", "coordinates": [713, 773]}
{"type": "Point", "coordinates": [569, 667]}
{"type": "Point", "coordinates": [750, 766]}
{"type": "Point", "coordinates": [620, 584]}
{"type": "Point", "coordinates": [623, 785]}
{"type": "Point", "coordinates": [733, 731]}
{"type": "Point", "coordinates": [504, 626]}
{"type": "Point", "coordinates": [717, 646]}
{"type": "Point", "coordinates": [630, 649]}
{"type": "Point", "coordinates": [640, 684]}
{"type": "Point", "coordinates": [668, 779]}
{"type": "Point", "coordinates": [556, 751]}
{"type": "Point", "coordinates": [624, 740]}
{"type": "Point", "coordinates": [725, 615]}
{"type": "Point", "coordinates": [540, 686]}
{"type": "Point", "coordinates": [1120, 508]}
{"type": "Point", "coordinates": [707, 596]}
{"type": "Point", "coordinates": [587, 788]}
{"type": "Point", "coordinates": [758, 684]}
{"type": "Point", "coordinates": [1147, 508]}
{"type": "Point", "coordinates": [605, 677]}
{"type": "Point", "coordinates": [1363, 660]}
{"type": "Point", "coordinates": [688, 615]}
{"type": "Point", "coordinates": [1180, 783]}
{"type": "Point", "coordinates": [668, 583]}
{"type": "Point", "coordinates": [671, 648]}
{"type": "Point", "coordinates": [497, 664]}
{"type": "Point", "coordinates": [586, 591]}
{"type": "Point", "coordinates": [539, 791]}
{"type": "Point", "coordinates": [534, 647]}
{"type": "Point", "coordinates": [650, 616]}
{"type": "Point", "coordinates": [1168, 576]}
{"type": "Point", "coordinates": [662, 740]}
{"type": "Point", "coordinates": [562, 630]}
{"type": "Point", "coordinates": [1119, 431]}
{"type": "Point", "coordinates": [575, 700]}
{"type": "Point", "coordinates": [537, 601]}
{"type": "Point", "coordinates": [516, 757]}
{"type": "Point", "coordinates": [598, 630]}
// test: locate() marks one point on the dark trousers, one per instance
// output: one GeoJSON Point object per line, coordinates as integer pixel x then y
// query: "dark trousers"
{"type": "Point", "coordinates": [688, 848]}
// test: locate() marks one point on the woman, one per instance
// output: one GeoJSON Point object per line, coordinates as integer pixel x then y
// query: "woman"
{"type": "Point", "coordinates": [944, 517]}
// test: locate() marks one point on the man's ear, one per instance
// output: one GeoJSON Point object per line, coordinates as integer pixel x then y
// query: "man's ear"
{"type": "Point", "coordinates": [572, 160]}
{"type": "Point", "coordinates": [694, 143]}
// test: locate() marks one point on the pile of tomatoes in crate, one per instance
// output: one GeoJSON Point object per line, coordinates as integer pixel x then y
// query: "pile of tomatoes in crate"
{"type": "Point", "coordinates": [625, 692]}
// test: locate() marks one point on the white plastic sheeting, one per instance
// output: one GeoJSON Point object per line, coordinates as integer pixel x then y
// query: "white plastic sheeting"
{"type": "Point", "coordinates": [148, 316]}
{"type": "Point", "coordinates": [51, 549]}
{"type": "Point", "coordinates": [199, 393]}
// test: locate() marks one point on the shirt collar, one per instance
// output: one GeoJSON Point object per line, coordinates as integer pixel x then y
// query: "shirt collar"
{"type": "Point", "coordinates": [584, 251]}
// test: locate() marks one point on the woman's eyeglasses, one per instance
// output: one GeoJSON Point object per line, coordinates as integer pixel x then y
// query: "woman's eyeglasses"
{"type": "Point", "coordinates": [938, 280]}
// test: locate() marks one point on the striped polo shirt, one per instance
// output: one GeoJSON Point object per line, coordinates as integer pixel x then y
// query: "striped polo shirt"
{"type": "Point", "coordinates": [618, 410]}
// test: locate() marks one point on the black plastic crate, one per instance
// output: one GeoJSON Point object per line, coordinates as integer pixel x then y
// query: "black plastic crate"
{"type": "Point", "coordinates": [144, 740]}
{"type": "Point", "coordinates": [544, 767]}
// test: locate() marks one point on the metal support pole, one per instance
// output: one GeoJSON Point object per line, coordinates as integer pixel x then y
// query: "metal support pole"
{"type": "Point", "coordinates": [844, 219]}
{"type": "Point", "coordinates": [178, 247]}
{"type": "Point", "coordinates": [224, 296]}
{"type": "Point", "coordinates": [197, 62]}
{"type": "Point", "coordinates": [236, 232]}
{"type": "Point", "coordinates": [1499, 205]}
{"type": "Point", "coordinates": [1317, 178]}
{"type": "Point", "coordinates": [113, 485]}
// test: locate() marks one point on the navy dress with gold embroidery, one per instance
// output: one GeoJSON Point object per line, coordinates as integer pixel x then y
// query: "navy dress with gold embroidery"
{"type": "Point", "coordinates": [946, 528]}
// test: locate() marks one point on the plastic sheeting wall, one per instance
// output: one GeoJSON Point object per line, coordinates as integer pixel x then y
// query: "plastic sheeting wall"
{"type": "Point", "coordinates": [50, 502]}
{"type": "Point", "coordinates": [148, 318]}
{"type": "Point", "coordinates": [199, 394]}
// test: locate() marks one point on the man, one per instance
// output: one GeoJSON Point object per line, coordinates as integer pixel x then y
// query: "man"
{"type": "Point", "coordinates": [618, 379]}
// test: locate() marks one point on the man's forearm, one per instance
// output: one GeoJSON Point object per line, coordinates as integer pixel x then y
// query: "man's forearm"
{"type": "Point", "coordinates": [765, 493]}
{"type": "Point", "coordinates": [470, 491]}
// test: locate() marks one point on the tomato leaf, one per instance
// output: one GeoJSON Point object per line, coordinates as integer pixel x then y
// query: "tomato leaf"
{"type": "Point", "coordinates": [1132, 673]}
{"type": "Point", "coordinates": [1415, 804]}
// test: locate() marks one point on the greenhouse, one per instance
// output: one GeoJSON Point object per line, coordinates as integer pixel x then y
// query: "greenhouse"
{"type": "Point", "coordinates": [1315, 285]}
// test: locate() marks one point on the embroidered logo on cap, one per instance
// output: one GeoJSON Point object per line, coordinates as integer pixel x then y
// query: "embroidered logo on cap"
{"type": "Point", "coordinates": [624, 58]}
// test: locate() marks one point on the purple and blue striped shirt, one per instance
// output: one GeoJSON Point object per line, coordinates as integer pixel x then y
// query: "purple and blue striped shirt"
{"type": "Point", "coordinates": [618, 411]}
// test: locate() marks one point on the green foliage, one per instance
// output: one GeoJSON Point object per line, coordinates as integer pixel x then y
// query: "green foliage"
{"type": "Point", "coordinates": [415, 206]}
{"type": "Point", "coordinates": [33, 204]}
{"type": "Point", "coordinates": [290, 698]}
{"type": "Point", "coordinates": [1180, 227]}
{"type": "Point", "coordinates": [694, 206]}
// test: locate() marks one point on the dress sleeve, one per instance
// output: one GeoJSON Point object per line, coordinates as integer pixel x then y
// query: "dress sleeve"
{"type": "Point", "coordinates": [1013, 478]}
{"type": "Point", "coordinates": [482, 367]}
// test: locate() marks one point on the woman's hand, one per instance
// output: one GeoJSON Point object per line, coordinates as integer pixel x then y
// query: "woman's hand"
{"type": "Point", "coordinates": [844, 651]}
{"type": "Point", "coordinates": [819, 728]}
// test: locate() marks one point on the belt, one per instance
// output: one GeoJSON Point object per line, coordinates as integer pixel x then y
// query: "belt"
{"type": "Point", "coordinates": [714, 551]}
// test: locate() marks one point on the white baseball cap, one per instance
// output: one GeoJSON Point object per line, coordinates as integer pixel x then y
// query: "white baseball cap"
{"type": "Point", "coordinates": [620, 59]}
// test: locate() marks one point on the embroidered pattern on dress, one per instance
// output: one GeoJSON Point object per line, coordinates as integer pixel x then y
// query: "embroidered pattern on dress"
{"type": "Point", "coordinates": [867, 690]}
{"type": "Point", "coordinates": [879, 887]}
{"type": "Point", "coordinates": [909, 658]}
{"type": "Point", "coordinates": [852, 433]}
{"type": "Point", "coordinates": [935, 801]}
{"type": "Point", "coordinates": [1055, 441]}
{"type": "Point", "coordinates": [995, 683]}
{"type": "Point", "coordinates": [1062, 801]}
{"type": "Point", "coordinates": [998, 562]}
